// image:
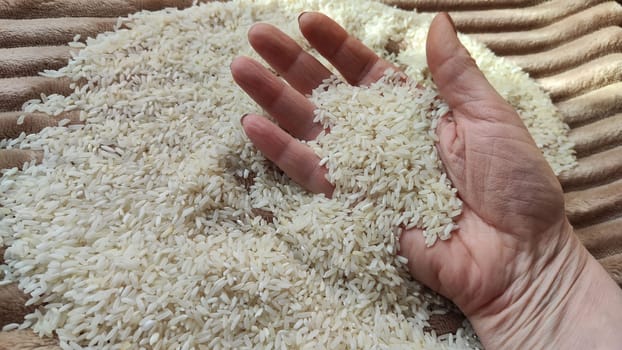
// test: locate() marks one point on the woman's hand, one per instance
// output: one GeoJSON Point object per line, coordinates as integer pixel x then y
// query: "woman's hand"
{"type": "Point", "coordinates": [287, 104]}
{"type": "Point", "coordinates": [514, 266]}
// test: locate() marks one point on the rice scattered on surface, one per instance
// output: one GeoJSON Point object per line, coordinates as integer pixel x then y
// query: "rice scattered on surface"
{"type": "Point", "coordinates": [158, 225]}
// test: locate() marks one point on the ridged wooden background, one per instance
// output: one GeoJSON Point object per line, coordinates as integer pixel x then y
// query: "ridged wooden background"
{"type": "Point", "coordinates": [573, 48]}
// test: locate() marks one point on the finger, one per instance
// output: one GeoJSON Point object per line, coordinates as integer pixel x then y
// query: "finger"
{"type": "Point", "coordinates": [430, 265]}
{"type": "Point", "coordinates": [296, 160]}
{"type": "Point", "coordinates": [460, 82]}
{"type": "Point", "coordinates": [358, 64]}
{"type": "Point", "coordinates": [292, 110]}
{"type": "Point", "coordinates": [301, 70]}
{"type": "Point", "coordinates": [420, 257]}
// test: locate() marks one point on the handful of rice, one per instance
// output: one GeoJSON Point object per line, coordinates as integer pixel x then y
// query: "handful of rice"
{"type": "Point", "coordinates": [158, 225]}
{"type": "Point", "coordinates": [381, 156]}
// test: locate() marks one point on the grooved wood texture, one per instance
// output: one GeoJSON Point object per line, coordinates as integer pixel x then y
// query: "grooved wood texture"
{"type": "Point", "coordinates": [573, 48]}
{"type": "Point", "coordinates": [20, 9]}
{"type": "Point", "coordinates": [49, 31]}
{"type": "Point", "coordinates": [26, 340]}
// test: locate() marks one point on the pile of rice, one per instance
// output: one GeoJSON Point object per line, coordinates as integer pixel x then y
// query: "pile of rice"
{"type": "Point", "coordinates": [158, 225]}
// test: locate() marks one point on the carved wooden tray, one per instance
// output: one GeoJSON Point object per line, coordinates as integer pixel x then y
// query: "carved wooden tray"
{"type": "Point", "coordinates": [573, 48]}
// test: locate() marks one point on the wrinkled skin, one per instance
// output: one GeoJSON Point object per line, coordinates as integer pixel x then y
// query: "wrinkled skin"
{"type": "Point", "coordinates": [514, 246]}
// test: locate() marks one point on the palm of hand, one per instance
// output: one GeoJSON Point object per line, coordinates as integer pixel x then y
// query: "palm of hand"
{"type": "Point", "coordinates": [512, 201]}
{"type": "Point", "coordinates": [511, 196]}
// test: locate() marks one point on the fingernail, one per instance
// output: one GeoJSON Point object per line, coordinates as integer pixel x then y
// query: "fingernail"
{"type": "Point", "coordinates": [232, 61]}
{"type": "Point", "coordinates": [242, 118]}
{"type": "Point", "coordinates": [300, 15]}
{"type": "Point", "coordinates": [451, 21]}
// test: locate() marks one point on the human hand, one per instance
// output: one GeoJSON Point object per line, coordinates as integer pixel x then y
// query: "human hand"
{"type": "Point", "coordinates": [514, 266]}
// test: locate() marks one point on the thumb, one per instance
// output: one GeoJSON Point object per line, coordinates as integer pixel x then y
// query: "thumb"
{"type": "Point", "coordinates": [460, 82]}
{"type": "Point", "coordinates": [420, 257]}
{"type": "Point", "coordinates": [471, 98]}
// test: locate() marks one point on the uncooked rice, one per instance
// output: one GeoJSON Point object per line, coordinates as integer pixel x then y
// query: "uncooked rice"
{"type": "Point", "coordinates": [157, 224]}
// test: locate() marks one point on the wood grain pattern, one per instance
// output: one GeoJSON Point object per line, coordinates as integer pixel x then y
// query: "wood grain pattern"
{"type": "Point", "coordinates": [459, 5]}
{"type": "Point", "coordinates": [613, 264]}
{"type": "Point", "coordinates": [503, 20]}
{"type": "Point", "coordinates": [22, 9]}
{"type": "Point", "coordinates": [15, 158]}
{"type": "Point", "coordinates": [28, 61]}
{"type": "Point", "coordinates": [572, 47]}
{"type": "Point", "coordinates": [598, 136]}
{"type": "Point", "coordinates": [50, 31]}
{"type": "Point", "coordinates": [591, 75]}
{"type": "Point", "coordinates": [554, 34]}
{"type": "Point", "coordinates": [26, 340]}
{"type": "Point", "coordinates": [594, 170]}
{"type": "Point", "coordinates": [581, 50]}
{"type": "Point", "coordinates": [15, 91]}
{"type": "Point", "coordinates": [12, 305]}
{"type": "Point", "coordinates": [594, 204]}
{"type": "Point", "coordinates": [592, 106]}
{"type": "Point", "coordinates": [609, 232]}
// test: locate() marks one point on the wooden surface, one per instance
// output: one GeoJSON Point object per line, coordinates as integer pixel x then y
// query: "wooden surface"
{"type": "Point", "coordinates": [573, 48]}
